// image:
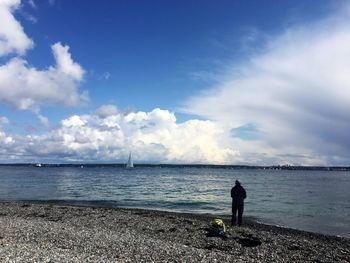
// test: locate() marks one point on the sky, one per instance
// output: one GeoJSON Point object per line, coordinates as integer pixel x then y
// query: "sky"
{"type": "Point", "coordinates": [194, 82]}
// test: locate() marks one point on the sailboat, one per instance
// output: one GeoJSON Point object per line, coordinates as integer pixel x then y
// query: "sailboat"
{"type": "Point", "coordinates": [130, 163]}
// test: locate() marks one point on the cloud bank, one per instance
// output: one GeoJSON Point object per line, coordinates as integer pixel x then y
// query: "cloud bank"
{"type": "Point", "coordinates": [290, 103]}
{"type": "Point", "coordinates": [110, 135]}
{"type": "Point", "coordinates": [106, 135]}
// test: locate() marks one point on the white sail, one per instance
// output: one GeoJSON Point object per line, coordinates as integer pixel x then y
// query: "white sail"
{"type": "Point", "coordinates": [130, 163]}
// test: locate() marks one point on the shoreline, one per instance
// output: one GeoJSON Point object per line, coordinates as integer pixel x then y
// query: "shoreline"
{"type": "Point", "coordinates": [33, 231]}
{"type": "Point", "coordinates": [248, 219]}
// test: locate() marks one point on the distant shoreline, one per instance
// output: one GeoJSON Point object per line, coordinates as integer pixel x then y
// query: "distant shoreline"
{"type": "Point", "coordinates": [233, 167]}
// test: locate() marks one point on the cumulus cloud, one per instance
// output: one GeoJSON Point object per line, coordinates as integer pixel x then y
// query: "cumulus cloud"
{"type": "Point", "coordinates": [107, 110]}
{"type": "Point", "coordinates": [25, 87]}
{"type": "Point", "coordinates": [152, 137]}
{"type": "Point", "coordinates": [12, 37]}
{"type": "Point", "coordinates": [292, 99]}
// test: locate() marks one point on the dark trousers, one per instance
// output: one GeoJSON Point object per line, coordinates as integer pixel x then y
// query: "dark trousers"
{"type": "Point", "coordinates": [235, 208]}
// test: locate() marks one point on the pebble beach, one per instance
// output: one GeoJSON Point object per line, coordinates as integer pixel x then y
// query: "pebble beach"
{"type": "Point", "coordinates": [51, 232]}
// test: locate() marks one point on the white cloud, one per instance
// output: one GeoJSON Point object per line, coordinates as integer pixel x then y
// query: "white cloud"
{"type": "Point", "coordinates": [152, 137]}
{"type": "Point", "coordinates": [43, 120]}
{"type": "Point", "coordinates": [12, 37]}
{"type": "Point", "coordinates": [107, 110]}
{"type": "Point", "coordinates": [26, 88]}
{"type": "Point", "coordinates": [296, 95]}
{"type": "Point", "coordinates": [64, 62]}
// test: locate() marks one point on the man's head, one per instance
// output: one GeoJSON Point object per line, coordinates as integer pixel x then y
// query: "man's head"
{"type": "Point", "coordinates": [237, 183]}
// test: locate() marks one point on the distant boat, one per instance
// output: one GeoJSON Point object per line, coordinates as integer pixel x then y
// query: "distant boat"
{"type": "Point", "coordinates": [130, 163]}
{"type": "Point", "coordinates": [38, 165]}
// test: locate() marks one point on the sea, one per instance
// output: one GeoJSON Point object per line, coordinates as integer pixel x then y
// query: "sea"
{"type": "Point", "coordinates": [311, 200]}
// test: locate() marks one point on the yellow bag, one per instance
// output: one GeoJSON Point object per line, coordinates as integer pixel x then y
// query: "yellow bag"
{"type": "Point", "coordinates": [218, 227]}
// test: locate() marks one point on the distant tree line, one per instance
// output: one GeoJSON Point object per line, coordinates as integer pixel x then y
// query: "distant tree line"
{"type": "Point", "coordinates": [234, 167]}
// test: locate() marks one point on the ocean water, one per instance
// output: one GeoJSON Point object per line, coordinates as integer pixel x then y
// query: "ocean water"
{"type": "Point", "coordinates": [317, 201]}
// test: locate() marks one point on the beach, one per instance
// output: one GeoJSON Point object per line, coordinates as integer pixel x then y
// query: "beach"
{"type": "Point", "coordinates": [50, 232]}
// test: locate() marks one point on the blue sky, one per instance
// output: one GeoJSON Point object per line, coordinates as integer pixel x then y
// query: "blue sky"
{"type": "Point", "coordinates": [155, 49]}
{"type": "Point", "coordinates": [174, 81]}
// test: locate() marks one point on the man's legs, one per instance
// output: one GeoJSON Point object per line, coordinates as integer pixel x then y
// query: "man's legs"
{"type": "Point", "coordinates": [240, 214]}
{"type": "Point", "coordinates": [234, 212]}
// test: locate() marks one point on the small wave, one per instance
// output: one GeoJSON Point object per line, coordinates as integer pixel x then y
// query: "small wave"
{"type": "Point", "coordinates": [288, 203]}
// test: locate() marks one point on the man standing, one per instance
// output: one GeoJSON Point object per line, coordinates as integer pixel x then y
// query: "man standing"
{"type": "Point", "coordinates": [238, 195]}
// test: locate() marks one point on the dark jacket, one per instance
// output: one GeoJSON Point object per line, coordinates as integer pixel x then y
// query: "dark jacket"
{"type": "Point", "coordinates": [238, 195]}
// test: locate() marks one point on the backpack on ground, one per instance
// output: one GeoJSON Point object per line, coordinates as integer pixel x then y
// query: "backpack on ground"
{"type": "Point", "coordinates": [218, 228]}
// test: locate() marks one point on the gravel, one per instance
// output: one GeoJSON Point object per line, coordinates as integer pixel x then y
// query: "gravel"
{"type": "Point", "coordinates": [46, 232]}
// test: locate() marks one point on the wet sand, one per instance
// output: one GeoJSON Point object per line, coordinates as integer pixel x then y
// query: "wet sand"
{"type": "Point", "coordinates": [44, 232]}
